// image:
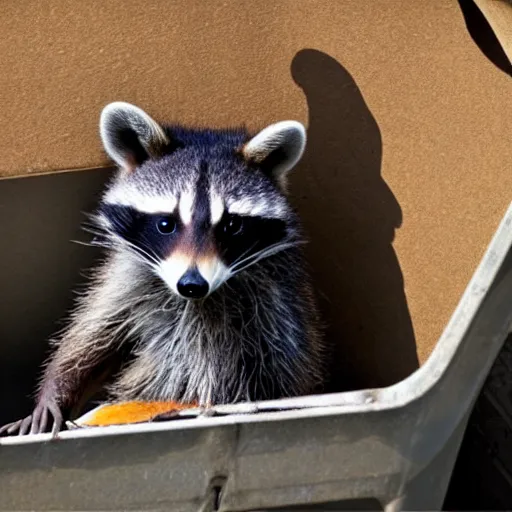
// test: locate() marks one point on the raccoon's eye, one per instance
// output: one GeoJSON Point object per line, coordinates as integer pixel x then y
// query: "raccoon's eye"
{"type": "Point", "coordinates": [233, 225]}
{"type": "Point", "coordinates": [166, 225]}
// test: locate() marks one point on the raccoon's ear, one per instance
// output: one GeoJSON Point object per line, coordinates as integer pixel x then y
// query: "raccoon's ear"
{"type": "Point", "coordinates": [130, 136]}
{"type": "Point", "coordinates": [277, 149]}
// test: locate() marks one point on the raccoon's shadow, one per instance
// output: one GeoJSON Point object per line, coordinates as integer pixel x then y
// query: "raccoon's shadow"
{"type": "Point", "coordinates": [350, 216]}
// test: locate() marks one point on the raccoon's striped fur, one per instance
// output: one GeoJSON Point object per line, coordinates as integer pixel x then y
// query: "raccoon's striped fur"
{"type": "Point", "coordinates": [203, 295]}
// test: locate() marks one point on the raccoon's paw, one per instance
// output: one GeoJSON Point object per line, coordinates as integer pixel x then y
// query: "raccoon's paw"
{"type": "Point", "coordinates": [37, 422]}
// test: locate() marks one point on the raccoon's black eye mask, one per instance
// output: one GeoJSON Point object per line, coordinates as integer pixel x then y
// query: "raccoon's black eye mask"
{"type": "Point", "coordinates": [239, 237]}
{"type": "Point", "coordinates": [152, 235]}
{"type": "Point", "coordinates": [156, 236]}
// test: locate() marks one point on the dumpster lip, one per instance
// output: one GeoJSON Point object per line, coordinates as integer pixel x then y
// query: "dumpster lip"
{"type": "Point", "coordinates": [362, 401]}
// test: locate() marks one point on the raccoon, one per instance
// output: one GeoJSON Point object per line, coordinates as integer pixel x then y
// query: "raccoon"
{"type": "Point", "coordinates": [203, 295]}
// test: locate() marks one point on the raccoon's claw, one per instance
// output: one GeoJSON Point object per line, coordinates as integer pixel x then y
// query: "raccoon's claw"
{"type": "Point", "coordinates": [40, 417]}
{"type": "Point", "coordinates": [36, 422]}
{"type": "Point", "coordinates": [10, 428]}
{"type": "Point", "coordinates": [25, 425]}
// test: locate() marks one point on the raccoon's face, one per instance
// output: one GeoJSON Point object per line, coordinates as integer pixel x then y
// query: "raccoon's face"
{"type": "Point", "coordinates": [197, 206]}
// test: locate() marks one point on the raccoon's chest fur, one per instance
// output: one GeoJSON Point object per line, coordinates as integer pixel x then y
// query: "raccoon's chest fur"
{"type": "Point", "coordinates": [251, 340]}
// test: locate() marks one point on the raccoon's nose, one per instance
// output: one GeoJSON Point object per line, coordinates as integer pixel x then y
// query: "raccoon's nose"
{"type": "Point", "coordinates": [192, 285]}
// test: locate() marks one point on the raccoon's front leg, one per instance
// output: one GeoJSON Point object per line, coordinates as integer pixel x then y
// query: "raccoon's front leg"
{"type": "Point", "coordinates": [86, 354]}
{"type": "Point", "coordinates": [74, 368]}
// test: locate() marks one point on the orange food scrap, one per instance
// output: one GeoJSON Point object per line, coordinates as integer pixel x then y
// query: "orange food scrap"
{"type": "Point", "coordinates": [131, 412]}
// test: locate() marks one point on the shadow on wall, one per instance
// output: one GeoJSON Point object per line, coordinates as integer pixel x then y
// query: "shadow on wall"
{"type": "Point", "coordinates": [483, 35]}
{"type": "Point", "coordinates": [350, 216]}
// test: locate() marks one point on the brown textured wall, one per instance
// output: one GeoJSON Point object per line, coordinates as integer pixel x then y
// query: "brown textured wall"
{"type": "Point", "coordinates": [408, 168]}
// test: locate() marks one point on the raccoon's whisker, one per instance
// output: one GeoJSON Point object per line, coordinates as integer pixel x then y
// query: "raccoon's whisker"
{"type": "Point", "coordinates": [94, 227]}
{"type": "Point", "coordinates": [237, 260]}
{"type": "Point", "coordinates": [101, 238]}
{"type": "Point", "coordinates": [105, 244]}
{"type": "Point", "coordinates": [279, 245]}
{"type": "Point", "coordinates": [151, 255]}
{"type": "Point", "coordinates": [264, 253]}
{"type": "Point", "coordinates": [97, 234]}
{"type": "Point", "coordinates": [112, 238]}
{"type": "Point", "coordinates": [139, 256]}
{"type": "Point", "coordinates": [86, 244]}
{"type": "Point", "coordinates": [143, 255]}
{"type": "Point", "coordinates": [217, 277]}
